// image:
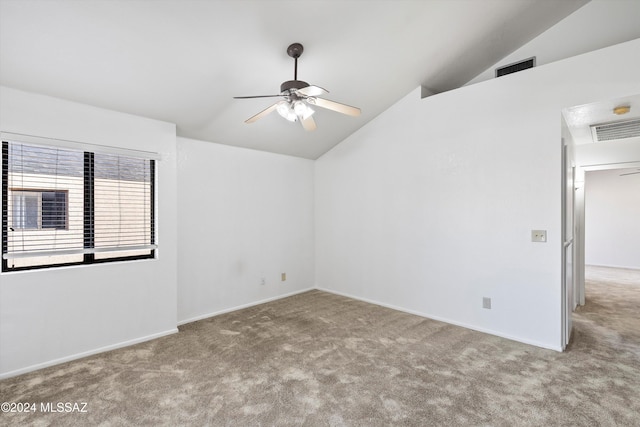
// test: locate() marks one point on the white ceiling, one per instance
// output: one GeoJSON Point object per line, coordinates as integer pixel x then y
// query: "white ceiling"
{"type": "Point", "coordinates": [182, 61]}
{"type": "Point", "coordinates": [622, 155]}
{"type": "Point", "coordinates": [580, 118]}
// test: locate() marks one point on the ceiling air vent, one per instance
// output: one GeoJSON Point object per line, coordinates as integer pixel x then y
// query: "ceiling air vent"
{"type": "Point", "coordinates": [515, 67]}
{"type": "Point", "coordinates": [616, 130]}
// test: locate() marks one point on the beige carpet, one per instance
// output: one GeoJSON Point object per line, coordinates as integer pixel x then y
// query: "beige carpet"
{"type": "Point", "coordinates": [321, 359]}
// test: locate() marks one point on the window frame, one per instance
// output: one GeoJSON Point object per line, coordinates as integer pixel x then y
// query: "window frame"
{"type": "Point", "coordinates": [88, 215]}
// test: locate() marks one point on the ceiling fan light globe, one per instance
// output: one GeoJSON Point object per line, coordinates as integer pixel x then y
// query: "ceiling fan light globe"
{"type": "Point", "coordinates": [302, 110]}
{"type": "Point", "coordinates": [283, 109]}
{"type": "Point", "coordinates": [286, 111]}
{"type": "Point", "coordinates": [292, 117]}
{"type": "Point", "coordinates": [299, 108]}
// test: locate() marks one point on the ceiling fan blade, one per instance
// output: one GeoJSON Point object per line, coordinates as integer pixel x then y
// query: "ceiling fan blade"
{"type": "Point", "coordinates": [261, 113]}
{"type": "Point", "coordinates": [335, 106]}
{"type": "Point", "coordinates": [256, 96]}
{"type": "Point", "coordinates": [308, 124]}
{"type": "Point", "coordinates": [312, 91]}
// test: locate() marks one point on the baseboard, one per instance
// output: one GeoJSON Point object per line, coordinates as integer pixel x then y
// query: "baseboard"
{"type": "Point", "coordinates": [613, 266]}
{"type": "Point", "coordinates": [445, 320]}
{"type": "Point", "coordinates": [85, 354]}
{"type": "Point", "coordinates": [240, 307]}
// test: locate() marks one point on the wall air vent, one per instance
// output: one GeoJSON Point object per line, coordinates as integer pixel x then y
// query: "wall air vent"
{"type": "Point", "coordinates": [616, 130]}
{"type": "Point", "coordinates": [516, 66]}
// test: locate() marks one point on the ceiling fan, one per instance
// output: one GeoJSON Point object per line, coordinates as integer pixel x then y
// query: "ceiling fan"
{"type": "Point", "coordinates": [298, 95]}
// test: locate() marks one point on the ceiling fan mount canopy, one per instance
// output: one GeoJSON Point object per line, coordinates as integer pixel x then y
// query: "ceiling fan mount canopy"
{"type": "Point", "coordinates": [297, 94]}
{"type": "Point", "coordinates": [295, 50]}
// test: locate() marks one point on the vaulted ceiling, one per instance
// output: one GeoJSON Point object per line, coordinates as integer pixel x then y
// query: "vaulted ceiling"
{"type": "Point", "coordinates": [183, 61]}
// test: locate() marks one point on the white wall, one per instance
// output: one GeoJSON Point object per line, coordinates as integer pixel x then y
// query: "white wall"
{"type": "Point", "coordinates": [52, 315]}
{"type": "Point", "coordinates": [612, 219]}
{"type": "Point", "coordinates": [429, 207]}
{"type": "Point", "coordinates": [244, 215]}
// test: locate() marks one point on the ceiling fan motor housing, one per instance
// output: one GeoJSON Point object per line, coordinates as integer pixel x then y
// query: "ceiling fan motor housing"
{"type": "Point", "coordinates": [292, 84]}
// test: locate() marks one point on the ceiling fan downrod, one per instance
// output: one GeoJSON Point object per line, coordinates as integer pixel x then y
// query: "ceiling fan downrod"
{"type": "Point", "coordinates": [295, 51]}
{"type": "Point", "coordinates": [288, 88]}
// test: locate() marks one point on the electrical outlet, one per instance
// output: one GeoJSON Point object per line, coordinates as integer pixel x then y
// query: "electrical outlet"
{"type": "Point", "coordinates": [539, 236]}
{"type": "Point", "coordinates": [486, 303]}
{"type": "Point", "coordinates": [263, 281]}
{"type": "Point", "coordinates": [284, 276]}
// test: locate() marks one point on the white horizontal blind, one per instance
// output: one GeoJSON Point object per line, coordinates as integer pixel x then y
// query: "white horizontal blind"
{"type": "Point", "coordinates": [61, 204]}
{"type": "Point", "coordinates": [78, 146]}
{"type": "Point", "coordinates": [45, 204]}
{"type": "Point", "coordinates": [122, 204]}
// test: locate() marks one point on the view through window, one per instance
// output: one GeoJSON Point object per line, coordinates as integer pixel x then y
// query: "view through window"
{"type": "Point", "coordinates": [63, 206]}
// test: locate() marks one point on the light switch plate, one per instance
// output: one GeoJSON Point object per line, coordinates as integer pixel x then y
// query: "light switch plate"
{"type": "Point", "coordinates": [539, 236]}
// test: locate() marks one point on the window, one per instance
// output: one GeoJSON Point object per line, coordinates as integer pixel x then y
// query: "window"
{"type": "Point", "coordinates": [39, 209]}
{"type": "Point", "coordinates": [54, 209]}
{"type": "Point", "coordinates": [62, 206]}
{"type": "Point", "coordinates": [25, 211]}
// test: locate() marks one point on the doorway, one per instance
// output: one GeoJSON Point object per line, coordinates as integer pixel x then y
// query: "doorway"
{"type": "Point", "coordinates": [590, 156]}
